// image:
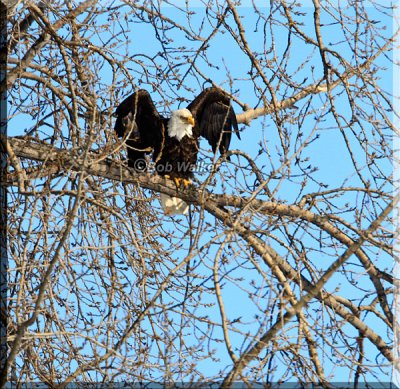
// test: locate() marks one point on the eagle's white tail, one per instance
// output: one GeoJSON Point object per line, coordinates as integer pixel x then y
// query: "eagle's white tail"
{"type": "Point", "coordinates": [173, 205]}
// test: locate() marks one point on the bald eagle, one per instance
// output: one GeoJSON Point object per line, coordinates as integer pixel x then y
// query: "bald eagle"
{"type": "Point", "coordinates": [174, 142]}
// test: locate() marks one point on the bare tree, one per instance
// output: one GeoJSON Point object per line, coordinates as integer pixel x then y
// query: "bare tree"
{"type": "Point", "coordinates": [281, 273]}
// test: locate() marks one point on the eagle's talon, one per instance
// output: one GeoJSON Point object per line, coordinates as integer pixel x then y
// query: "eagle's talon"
{"type": "Point", "coordinates": [186, 182]}
{"type": "Point", "coordinates": [177, 181]}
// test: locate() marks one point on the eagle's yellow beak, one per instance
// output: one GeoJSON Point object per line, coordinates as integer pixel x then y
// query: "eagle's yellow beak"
{"type": "Point", "coordinates": [190, 120]}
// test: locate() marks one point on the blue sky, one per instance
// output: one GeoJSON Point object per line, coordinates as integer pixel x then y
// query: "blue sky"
{"type": "Point", "coordinates": [328, 153]}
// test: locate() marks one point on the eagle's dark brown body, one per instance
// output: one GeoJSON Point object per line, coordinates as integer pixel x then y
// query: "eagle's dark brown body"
{"type": "Point", "coordinates": [177, 158]}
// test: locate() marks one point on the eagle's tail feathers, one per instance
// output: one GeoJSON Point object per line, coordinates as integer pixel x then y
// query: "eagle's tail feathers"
{"type": "Point", "coordinates": [173, 205]}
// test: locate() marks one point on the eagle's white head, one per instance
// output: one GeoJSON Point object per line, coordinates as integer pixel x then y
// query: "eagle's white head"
{"type": "Point", "coordinates": [181, 124]}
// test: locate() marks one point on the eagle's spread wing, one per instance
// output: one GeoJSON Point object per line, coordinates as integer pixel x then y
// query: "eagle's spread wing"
{"type": "Point", "coordinates": [215, 118]}
{"type": "Point", "coordinates": [138, 119]}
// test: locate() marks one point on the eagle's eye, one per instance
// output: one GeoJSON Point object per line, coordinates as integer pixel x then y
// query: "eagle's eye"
{"type": "Point", "coordinates": [187, 119]}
